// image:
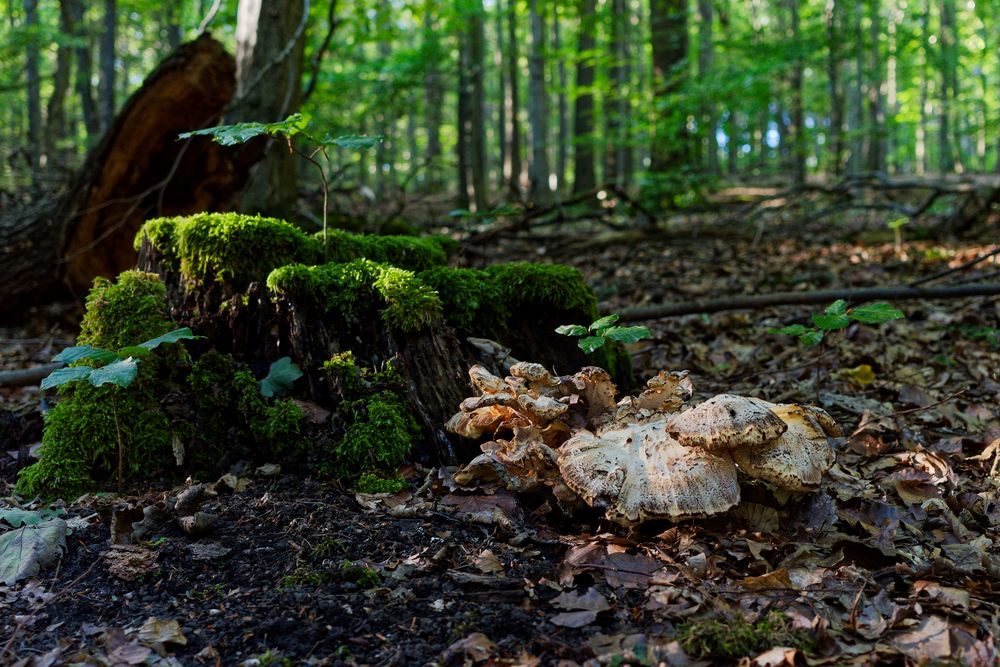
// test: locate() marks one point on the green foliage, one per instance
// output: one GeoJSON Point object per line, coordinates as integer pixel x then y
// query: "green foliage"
{"type": "Point", "coordinates": [405, 302]}
{"type": "Point", "coordinates": [838, 316]}
{"type": "Point", "coordinates": [296, 124]}
{"type": "Point", "coordinates": [280, 378]}
{"type": "Point", "coordinates": [405, 252]}
{"type": "Point", "coordinates": [123, 312]}
{"type": "Point", "coordinates": [736, 638]}
{"type": "Point", "coordinates": [372, 483]}
{"type": "Point", "coordinates": [601, 331]}
{"type": "Point", "coordinates": [379, 436]}
{"type": "Point", "coordinates": [527, 287]}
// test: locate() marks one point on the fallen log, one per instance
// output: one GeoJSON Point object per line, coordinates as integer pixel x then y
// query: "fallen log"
{"type": "Point", "coordinates": [22, 377]}
{"type": "Point", "coordinates": [755, 301]}
{"type": "Point", "coordinates": [138, 170]}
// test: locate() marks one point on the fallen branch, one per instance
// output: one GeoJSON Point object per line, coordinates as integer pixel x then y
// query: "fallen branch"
{"type": "Point", "coordinates": [22, 377]}
{"type": "Point", "coordinates": [754, 301]}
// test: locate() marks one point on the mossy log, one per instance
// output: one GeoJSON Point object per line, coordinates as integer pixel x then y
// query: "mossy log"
{"type": "Point", "coordinates": [259, 288]}
{"type": "Point", "coordinates": [137, 170]}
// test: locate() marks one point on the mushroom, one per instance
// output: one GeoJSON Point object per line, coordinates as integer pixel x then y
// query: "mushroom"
{"type": "Point", "coordinates": [726, 422]}
{"type": "Point", "coordinates": [797, 459]}
{"type": "Point", "coordinates": [640, 472]}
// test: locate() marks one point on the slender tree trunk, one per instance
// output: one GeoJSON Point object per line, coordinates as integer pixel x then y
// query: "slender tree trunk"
{"type": "Point", "coordinates": [501, 74]}
{"type": "Point", "coordinates": [562, 110]}
{"type": "Point", "coordinates": [270, 39]}
{"type": "Point", "coordinates": [464, 122]}
{"type": "Point", "coordinates": [172, 25]}
{"type": "Point", "coordinates": [107, 57]}
{"type": "Point", "coordinates": [538, 171]}
{"type": "Point", "coordinates": [922, 156]}
{"type": "Point", "coordinates": [876, 110]}
{"type": "Point", "coordinates": [477, 136]}
{"type": "Point", "coordinates": [798, 128]}
{"type": "Point", "coordinates": [892, 96]}
{"type": "Point", "coordinates": [832, 16]}
{"type": "Point", "coordinates": [706, 56]}
{"type": "Point", "coordinates": [855, 160]}
{"type": "Point", "coordinates": [55, 116]}
{"type": "Point", "coordinates": [946, 161]}
{"type": "Point", "coordinates": [84, 69]}
{"type": "Point", "coordinates": [513, 168]}
{"type": "Point", "coordinates": [617, 153]}
{"type": "Point", "coordinates": [34, 88]}
{"type": "Point", "coordinates": [433, 98]}
{"type": "Point", "coordinates": [584, 178]}
{"type": "Point", "coordinates": [669, 39]}
{"type": "Point", "coordinates": [385, 163]}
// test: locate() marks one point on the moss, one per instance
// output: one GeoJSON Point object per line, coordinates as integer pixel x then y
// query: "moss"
{"type": "Point", "coordinates": [529, 286]}
{"type": "Point", "coordinates": [407, 304]}
{"type": "Point", "coordinates": [80, 446]}
{"type": "Point", "coordinates": [372, 483]}
{"type": "Point", "coordinates": [379, 436]}
{"type": "Point", "coordinates": [472, 300]}
{"type": "Point", "coordinates": [240, 248]}
{"type": "Point", "coordinates": [249, 426]}
{"type": "Point", "coordinates": [406, 252]}
{"type": "Point", "coordinates": [162, 233]}
{"type": "Point", "coordinates": [128, 311]}
{"type": "Point", "coordinates": [737, 638]}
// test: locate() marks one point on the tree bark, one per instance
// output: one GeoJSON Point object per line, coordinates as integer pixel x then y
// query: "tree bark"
{"type": "Point", "coordinates": [84, 69]}
{"type": "Point", "coordinates": [477, 136]}
{"type": "Point", "coordinates": [561, 82]}
{"type": "Point", "coordinates": [669, 39]}
{"type": "Point", "coordinates": [501, 74]}
{"type": "Point", "coordinates": [922, 155]}
{"type": "Point", "coordinates": [706, 57]}
{"type": "Point", "coordinates": [55, 116]}
{"type": "Point", "coordinates": [270, 39]}
{"type": "Point", "coordinates": [584, 177]}
{"type": "Point", "coordinates": [833, 20]}
{"type": "Point", "coordinates": [433, 97]}
{"type": "Point", "coordinates": [798, 128]}
{"type": "Point", "coordinates": [538, 170]}
{"type": "Point", "coordinates": [617, 152]}
{"type": "Point", "coordinates": [34, 88]}
{"type": "Point", "coordinates": [949, 76]}
{"type": "Point", "coordinates": [513, 171]}
{"type": "Point", "coordinates": [856, 103]}
{"type": "Point", "coordinates": [107, 58]}
{"type": "Point", "coordinates": [876, 103]}
{"type": "Point", "coordinates": [138, 170]}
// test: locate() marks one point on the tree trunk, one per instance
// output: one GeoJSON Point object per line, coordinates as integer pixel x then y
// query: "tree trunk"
{"type": "Point", "coordinates": [463, 120]}
{"type": "Point", "coordinates": [892, 100]}
{"type": "Point", "coordinates": [84, 69]}
{"type": "Point", "coordinates": [854, 160]}
{"type": "Point", "coordinates": [501, 126]}
{"type": "Point", "coordinates": [669, 39]}
{"type": "Point", "coordinates": [833, 19]}
{"type": "Point", "coordinates": [433, 97]}
{"type": "Point", "coordinates": [706, 57]}
{"type": "Point", "coordinates": [922, 155]}
{"type": "Point", "coordinates": [55, 116]}
{"type": "Point", "coordinates": [513, 171]}
{"type": "Point", "coordinates": [946, 160]}
{"type": "Point", "coordinates": [584, 178]}
{"type": "Point", "coordinates": [876, 108]}
{"type": "Point", "coordinates": [270, 38]}
{"type": "Point", "coordinates": [107, 57]}
{"type": "Point", "coordinates": [538, 170]}
{"type": "Point", "coordinates": [562, 110]}
{"type": "Point", "coordinates": [138, 170]}
{"type": "Point", "coordinates": [616, 115]}
{"type": "Point", "coordinates": [171, 25]}
{"type": "Point", "coordinates": [798, 129]}
{"type": "Point", "coordinates": [34, 88]}
{"type": "Point", "coordinates": [477, 135]}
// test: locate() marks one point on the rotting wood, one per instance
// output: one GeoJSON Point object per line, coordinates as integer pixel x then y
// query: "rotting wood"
{"type": "Point", "coordinates": [755, 301]}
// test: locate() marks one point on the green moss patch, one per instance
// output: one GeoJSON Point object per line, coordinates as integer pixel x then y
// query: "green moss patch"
{"type": "Point", "coordinates": [525, 285]}
{"type": "Point", "coordinates": [405, 302]}
{"type": "Point", "coordinates": [737, 638]}
{"type": "Point", "coordinates": [126, 311]}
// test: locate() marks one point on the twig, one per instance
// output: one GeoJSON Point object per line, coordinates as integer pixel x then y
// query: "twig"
{"type": "Point", "coordinates": [957, 269]}
{"type": "Point", "coordinates": [754, 301]}
{"type": "Point", "coordinates": [921, 408]}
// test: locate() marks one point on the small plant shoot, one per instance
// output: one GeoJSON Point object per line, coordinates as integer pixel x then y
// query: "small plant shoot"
{"type": "Point", "coordinates": [601, 331]}
{"type": "Point", "coordinates": [280, 378]}
{"type": "Point", "coordinates": [295, 125]}
{"type": "Point", "coordinates": [838, 316]}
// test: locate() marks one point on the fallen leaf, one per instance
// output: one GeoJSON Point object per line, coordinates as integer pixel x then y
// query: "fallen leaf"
{"type": "Point", "coordinates": [207, 550]}
{"type": "Point", "coordinates": [157, 631]}
{"type": "Point", "coordinates": [777, 579]}
{"type": "Point", "coordinates": [488, 563]}
{"type": "Point", "coordinates": [929, 640]}
{"type": "Point", "coordinates": [574, 619]}
{"type": "Point", "coordinates": [477, 647]}
{"type": "Point", "coordinates": [26, 550]}
{"type": "Point", "coordinates": [776, 657]}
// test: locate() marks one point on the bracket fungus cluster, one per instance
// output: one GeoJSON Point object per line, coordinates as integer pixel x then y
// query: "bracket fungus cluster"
{"type": "Point", "coordinates": [639, 458]}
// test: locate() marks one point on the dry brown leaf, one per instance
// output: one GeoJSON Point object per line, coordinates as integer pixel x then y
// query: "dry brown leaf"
{"type": "Point", "coordinates": [777, 579]}
{"type": "Point", "coordinates": [929, 640]}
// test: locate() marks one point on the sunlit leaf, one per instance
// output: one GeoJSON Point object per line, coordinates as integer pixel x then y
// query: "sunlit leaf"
{"type": "Point", "coordinates": [591, 343]}
{"type": "Point", "coordinates": [604, 322]}
{"type": "Point", "coordinates": [352, 141]}
{"type": "Point", "coordinates": [571, 329]}
{"type": "Point", "coordinates": [78, 352]}
{"type": "Point", "coordinates": [875, 313]}
{"type": "Point", "coordinates": [171, 337]}
{"type": "Point", "coordinates": [811, 338]}
{"type": "Point", "coordinates": [280, 378]}
{"type": "Point", "coordinates": [61, 376]}
{"type": "Point", "coordinates": [627, 334]}
{"type": "Point", "coordinates": [830, 321]}
{"type": "Point", "coordinates": [120, 373]}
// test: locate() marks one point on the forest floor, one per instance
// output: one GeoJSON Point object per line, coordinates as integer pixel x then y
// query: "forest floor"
{"type": "Point", "coordinates": [895, 560]}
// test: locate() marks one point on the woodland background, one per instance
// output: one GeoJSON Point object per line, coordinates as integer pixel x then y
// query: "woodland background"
{"type": "Point", "coordinates": [514, 101]}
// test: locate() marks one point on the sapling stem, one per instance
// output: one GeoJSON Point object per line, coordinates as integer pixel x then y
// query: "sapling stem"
{"type": "Point", "coordinates": [118, 433]}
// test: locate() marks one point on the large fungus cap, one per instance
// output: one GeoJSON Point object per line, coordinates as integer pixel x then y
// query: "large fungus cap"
{"type": "Point", "coordinates": [484, 381]}
{"type": "Point", "coordinates": [640, 473]}
{"type": "Point", "coordinates": [726, 422]}
{"type": "Point", "coordinates": [797, 459]}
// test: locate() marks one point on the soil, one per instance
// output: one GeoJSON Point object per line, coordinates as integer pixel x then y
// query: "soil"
{"type": "Point", "coordinates": [896, 560]}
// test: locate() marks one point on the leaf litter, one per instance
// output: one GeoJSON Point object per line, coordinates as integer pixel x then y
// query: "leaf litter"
{"type": "Point", "coordinates": [895, 558]}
